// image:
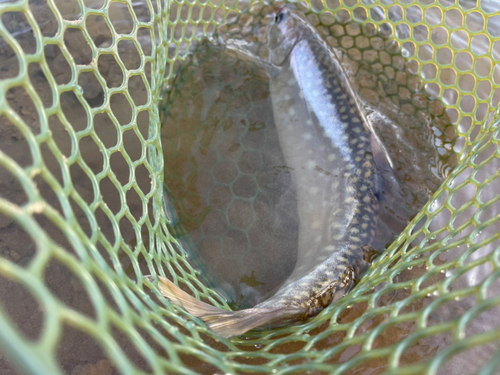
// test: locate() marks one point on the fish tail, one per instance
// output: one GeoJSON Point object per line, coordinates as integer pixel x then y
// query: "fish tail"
{"type": "Point", "coordinates": [222, 322]}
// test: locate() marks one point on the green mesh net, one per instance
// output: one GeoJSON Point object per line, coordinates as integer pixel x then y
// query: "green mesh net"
{"type": "Point", "coordinates": [81, 209]}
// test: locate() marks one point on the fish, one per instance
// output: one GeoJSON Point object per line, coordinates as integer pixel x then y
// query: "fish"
{"type": "Point", "coordinates": [341, 172]}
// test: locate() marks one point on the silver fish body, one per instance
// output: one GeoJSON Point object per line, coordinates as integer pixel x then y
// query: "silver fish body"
{"type": "Point", "coordinates": [328, 145]}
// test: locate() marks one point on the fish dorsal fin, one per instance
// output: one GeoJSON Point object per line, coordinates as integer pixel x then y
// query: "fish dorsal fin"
{"type": "Point", "coordinates": [380, 154]}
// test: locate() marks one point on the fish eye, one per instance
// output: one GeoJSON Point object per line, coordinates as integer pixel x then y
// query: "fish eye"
{"type": "Point", "coordinates": [279, 17]}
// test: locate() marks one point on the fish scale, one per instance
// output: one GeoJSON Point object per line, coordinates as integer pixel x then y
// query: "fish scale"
{"type": "Point", "coordinates": [345, 149]}
{"type": "Point", "coordinates": [339, 170]}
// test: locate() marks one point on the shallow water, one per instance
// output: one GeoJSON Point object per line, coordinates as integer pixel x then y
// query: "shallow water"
{"type": "Point", "coordinates": [78, 353]}
{"type": "Point", "coordinates": [226, 179]}
{"type": "Point", "coordinates": [226, 176]}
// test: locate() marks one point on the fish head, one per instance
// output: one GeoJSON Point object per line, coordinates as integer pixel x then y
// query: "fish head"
{"type": "Point", "coordinates": [283, 34]}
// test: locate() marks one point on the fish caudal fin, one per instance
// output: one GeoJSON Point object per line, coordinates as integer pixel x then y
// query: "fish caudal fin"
{"type": "Point", "coordinates": [221, 322]}
{"type": "Point", "coordinates": [235, 323]}
{"type": "Point", "coordinates": [176, 295]}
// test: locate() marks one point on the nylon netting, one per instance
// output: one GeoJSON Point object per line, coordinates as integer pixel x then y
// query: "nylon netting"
{"type": "Point", "coordinates": [81, 211]}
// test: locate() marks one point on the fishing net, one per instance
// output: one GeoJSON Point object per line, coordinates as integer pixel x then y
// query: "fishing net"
{"type": "Point", "coordinates": [81, 207]}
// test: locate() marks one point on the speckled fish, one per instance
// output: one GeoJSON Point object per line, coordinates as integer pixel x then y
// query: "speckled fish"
{"type": "Point", "coordinates": [340, 173]}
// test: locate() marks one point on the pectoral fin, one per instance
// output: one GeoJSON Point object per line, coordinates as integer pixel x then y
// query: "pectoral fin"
{"type": "Point", "coordinates": [380, 154]}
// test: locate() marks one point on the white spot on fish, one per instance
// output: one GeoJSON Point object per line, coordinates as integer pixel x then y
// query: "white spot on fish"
{"type": "Point", "coordinates": [316, 225]}
{"type": "Point", "coordinates": [313, 190]}
{"type": "Point", "coordinates": [331, 157]}
{"type": "Point", "coordinates": [291, 111]}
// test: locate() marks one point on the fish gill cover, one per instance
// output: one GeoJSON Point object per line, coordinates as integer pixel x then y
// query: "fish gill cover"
{"type": "Point", "coordinates": [81, 195]}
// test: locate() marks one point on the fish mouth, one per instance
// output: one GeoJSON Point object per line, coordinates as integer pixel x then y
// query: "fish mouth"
{"type": "Point", "coordinates": [280, 9]}
{"type": "Point", "coordinates": [290, 36]}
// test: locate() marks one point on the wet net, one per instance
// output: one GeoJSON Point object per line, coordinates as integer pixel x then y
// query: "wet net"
{"type": "Point", "coordinates": [81, 184]}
